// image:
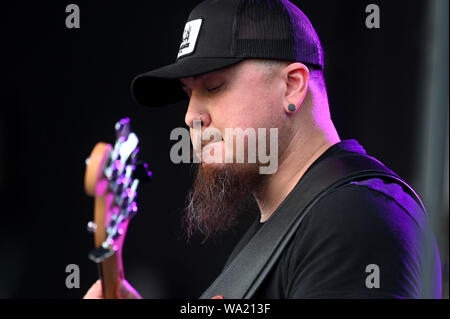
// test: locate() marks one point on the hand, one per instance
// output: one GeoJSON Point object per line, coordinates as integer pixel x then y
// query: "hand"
{"type": "Point", "coordinates": [124, 291]}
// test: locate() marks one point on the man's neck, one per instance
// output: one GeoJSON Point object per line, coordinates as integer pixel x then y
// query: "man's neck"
{"type": "Point", "coordinates": [299, 155]}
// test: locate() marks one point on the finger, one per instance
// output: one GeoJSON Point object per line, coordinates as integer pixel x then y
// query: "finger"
{"type": "Point", "coordinates": [95, 292]}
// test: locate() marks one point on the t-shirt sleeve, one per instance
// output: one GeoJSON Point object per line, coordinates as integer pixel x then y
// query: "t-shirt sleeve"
{"type": "Point", "coordinates": [355, 243]}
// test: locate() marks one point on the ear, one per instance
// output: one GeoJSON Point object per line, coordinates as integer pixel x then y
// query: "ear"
{"type": "Point", "coordinates": [296, 76]}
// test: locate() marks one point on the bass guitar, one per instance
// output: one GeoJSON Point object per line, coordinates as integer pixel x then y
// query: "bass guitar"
{"type": "Point", "coordinates": [112, 176]}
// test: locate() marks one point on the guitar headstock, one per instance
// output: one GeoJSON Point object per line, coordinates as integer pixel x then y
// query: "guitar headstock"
{"type": "Point", "coordinates": [113, 174]}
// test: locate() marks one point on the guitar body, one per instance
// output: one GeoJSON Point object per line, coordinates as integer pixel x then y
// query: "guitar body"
{"type": "Point", "coordinates": [114, 205]}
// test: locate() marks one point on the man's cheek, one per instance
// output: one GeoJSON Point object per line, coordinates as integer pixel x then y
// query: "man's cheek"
{"type": "Point", "coordinates": [237, 152]}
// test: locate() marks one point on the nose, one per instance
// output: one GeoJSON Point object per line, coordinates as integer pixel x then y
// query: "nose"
{"type": "Point", "coordinates": [196, 113]}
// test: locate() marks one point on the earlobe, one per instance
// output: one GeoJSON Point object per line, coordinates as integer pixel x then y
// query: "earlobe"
{"type": "Point", "coordinates": [291, 108]}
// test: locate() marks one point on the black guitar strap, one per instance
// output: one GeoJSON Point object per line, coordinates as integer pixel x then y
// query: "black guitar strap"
{"type": "Point", "coordinates": [245, 273]}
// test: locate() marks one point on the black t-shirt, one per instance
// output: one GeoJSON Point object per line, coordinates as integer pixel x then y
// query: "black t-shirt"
{"type": "Point", "coordinates": [366, 239]}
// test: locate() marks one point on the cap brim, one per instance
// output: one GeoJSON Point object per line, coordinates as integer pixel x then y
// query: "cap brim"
{"type": "Point", "coordinates": [161, 87]}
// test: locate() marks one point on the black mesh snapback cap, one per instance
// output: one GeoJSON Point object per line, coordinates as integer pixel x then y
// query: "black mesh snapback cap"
{"type": "Point", "coordinates": [221, 33]}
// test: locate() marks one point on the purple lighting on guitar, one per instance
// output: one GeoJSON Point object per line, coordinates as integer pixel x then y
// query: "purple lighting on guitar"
{"type": "Point", "coordinates": [118, 164]}
{"type": "Point", "coordinates": [101, 187]}
{"type": "Point", "coordinates": [122, 180]}
{"type": "Point", "coordinates": [125, 121]}
{"type": "Point", "coordinates": [129, 192]}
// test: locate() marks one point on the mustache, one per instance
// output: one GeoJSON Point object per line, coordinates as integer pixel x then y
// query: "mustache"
{"type": "Point", "coordinates": [203, 144]}
{"type": "Point", "coordinates": [210, 141]}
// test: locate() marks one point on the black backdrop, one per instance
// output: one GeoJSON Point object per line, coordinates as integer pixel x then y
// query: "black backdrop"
{"type": "Point", "coordinates": [64, 89]}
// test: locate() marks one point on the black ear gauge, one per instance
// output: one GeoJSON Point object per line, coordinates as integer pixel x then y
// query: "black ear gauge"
{"type": "Point", "coordinates": [292, 108]}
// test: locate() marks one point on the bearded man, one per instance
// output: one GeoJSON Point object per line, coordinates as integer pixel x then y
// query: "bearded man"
{"type": "Point", "coordinates": [330, 215]}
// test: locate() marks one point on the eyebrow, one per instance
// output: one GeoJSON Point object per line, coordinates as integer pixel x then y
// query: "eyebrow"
{"type": "Point", "coordinates": [195, 78]}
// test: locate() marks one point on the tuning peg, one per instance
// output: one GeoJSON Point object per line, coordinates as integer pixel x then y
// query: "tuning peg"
{"type": "Point", "coordinates": [142, 172]}
{"type": "Point", "coordinates": [118, 233]}
{"type": "Point", "coordinates": [132, 209]}
{"type": "Point", "coordinates": [91, 227]}
{"type": "Point", "coordinates": [122, 128]}
{"type": "Point", "coordinates": [134, 155]}
{"type": "Point", "coordinates": [128, 147]}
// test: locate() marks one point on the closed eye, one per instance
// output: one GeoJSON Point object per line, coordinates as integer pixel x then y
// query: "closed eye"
{"type": "Point", "coordinates": [214, 89]}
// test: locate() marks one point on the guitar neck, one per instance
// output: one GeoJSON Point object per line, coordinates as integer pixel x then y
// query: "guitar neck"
{"type": "Point", "coordinates": [111, 271]}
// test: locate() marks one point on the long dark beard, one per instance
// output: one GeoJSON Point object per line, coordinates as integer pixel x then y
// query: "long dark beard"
{"type": "Point", "coordinates": [218, 195]}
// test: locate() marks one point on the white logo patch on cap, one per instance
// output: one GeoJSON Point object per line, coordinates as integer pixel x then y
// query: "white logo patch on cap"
{"type": "Point", "coordinates": [190, 35]}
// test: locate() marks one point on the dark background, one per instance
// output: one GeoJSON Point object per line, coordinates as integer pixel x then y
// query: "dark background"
{"type": "Point", "coordinates": [64, 89]}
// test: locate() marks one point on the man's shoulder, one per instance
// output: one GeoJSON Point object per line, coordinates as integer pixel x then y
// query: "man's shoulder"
{"type": "Point", "coordinates": [376, 199]}
{"type": "Point", "coordinates": [366, 204]}
{"type": "Point", "coordinates": [372, 215]}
